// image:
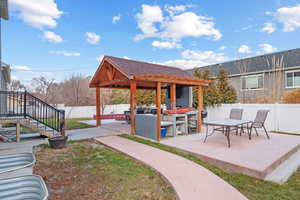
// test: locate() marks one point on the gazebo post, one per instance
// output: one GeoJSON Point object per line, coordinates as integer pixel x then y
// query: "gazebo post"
{"type": "Point", "coordinates": [98, 107]}
{"type": "Point", "coordinates": [173, 96]}
{"type": "Point", "coordinates": [132, 106]}
{"type": "Point", "coordinates": [200, 107]}
{"type": "Point", "coordinates": [158, 111]}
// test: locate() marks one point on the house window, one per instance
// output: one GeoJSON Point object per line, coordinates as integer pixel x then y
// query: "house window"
{"type": "Point", "coordinates": [253, 82]}
{"type": "Point", "coordinates": [292, 79]}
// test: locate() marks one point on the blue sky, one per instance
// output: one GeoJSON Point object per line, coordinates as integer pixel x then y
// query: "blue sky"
{"type": "Point", "coordinates": [59, 38]}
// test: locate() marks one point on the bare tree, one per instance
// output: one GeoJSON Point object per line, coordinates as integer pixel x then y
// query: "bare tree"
{"type": "Point", "coordinates": [76, 91]}
{"type": "Point", "coordinates": [44, 88]}
{"type": "Point", "coordinates": [106, 99]}
{"type": "Point", "coordinates": [243, 67]}
{"type": "Point", "coordinates": [275, 78]}
{"type": "Point", "coordinates": [16, 85]}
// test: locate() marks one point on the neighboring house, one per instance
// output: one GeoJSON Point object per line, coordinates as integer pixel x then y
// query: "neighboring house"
{"type": "Point", "coordinates": [255, 78]}
{"type": "Point", "coordinates": [4, 82]}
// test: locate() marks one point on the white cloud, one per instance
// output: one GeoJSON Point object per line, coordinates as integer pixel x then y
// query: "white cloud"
{"type": "Point", "coordinates": [190, 24]}
{"type": "Point", "coordinates": [223, 47]}
{"type": "Point", "coordinates": [52, 37]}
{"type": "Point", "coordinates": [268, 13]}
{"type": "Point", "coordinates": [176, 9]}
{"type": "Point", "coordinates": [99, 58]}
{"type": "Point", "coordinates": [125, 57]}
{"type": "Point", "coordinates": [174, 26]}
{"type": "Point", "coordinates": [185, 64]}
{"type": "Point", "coordinates": [207, 56]}
{"type": "Point", "coordinates": [191, 59]}
{"type": "Point", "coordinates": [267, 48]}
{"type": "Point", "coordinates": [15, 78]}
{"type": "Point", "coordinates": [244, 49]}
{"type": "Point", "coordinates": [116, 18]}
{"type": "Point", "coordinates": [268, 27]}
{"type": "Point", "coordinates": [92, 38]}
{"type": "Point", "coordinates": [65, 53]}
{"type": "Point", "coordinates": [147, 19]}
{"type": "Point", "coordinates": [290, 17]}
{"type": "Point", "coordinates": [22, 68]}
{"type": "Point", "coordinates": [166, 45]}
{"type": "Point", "coordinates": [37, 13]}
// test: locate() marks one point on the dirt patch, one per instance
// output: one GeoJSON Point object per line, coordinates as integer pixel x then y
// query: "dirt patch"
{"type": "Point", "coordinates": [85, 170]}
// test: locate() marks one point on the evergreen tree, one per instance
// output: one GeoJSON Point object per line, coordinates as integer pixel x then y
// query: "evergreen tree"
{"type": "Point", "coordinates": [120, 96]}
{"type": "Point", "coordinates": [148, 97]}
{"type": "Point", "coordinates": [227, 93]}
{"type": "Point", "coordinates": [210, 93]}
{"type": "Point", "coordinates": [217, 92]}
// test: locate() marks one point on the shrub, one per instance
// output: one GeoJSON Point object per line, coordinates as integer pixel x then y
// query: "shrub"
{"type": "Point", "coordinates": [292, 96]}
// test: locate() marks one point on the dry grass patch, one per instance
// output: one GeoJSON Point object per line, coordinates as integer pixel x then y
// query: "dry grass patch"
{"type": "Point", "coordinates": [85, 170]}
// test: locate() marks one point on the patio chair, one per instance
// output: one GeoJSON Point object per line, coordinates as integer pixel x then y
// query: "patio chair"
{"type": "Point", "coordinates": [259, 122]}
{"type": "Point", "coordinates": [235, 113]}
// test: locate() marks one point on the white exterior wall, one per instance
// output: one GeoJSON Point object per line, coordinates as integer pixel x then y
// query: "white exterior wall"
{"type": "Point", "coordinates": [89, 111]}
{"type": "Point", "coordinates": [282, 117]}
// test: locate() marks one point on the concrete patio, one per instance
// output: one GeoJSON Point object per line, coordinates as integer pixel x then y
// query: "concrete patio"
{"type": "Point", "coordinates": [258, 157]}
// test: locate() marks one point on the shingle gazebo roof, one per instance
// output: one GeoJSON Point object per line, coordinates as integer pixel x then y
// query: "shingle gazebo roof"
{"type": "Point", "coordinates": [135, 68]}
{"type": "Point", "coordinates": [116, 72]}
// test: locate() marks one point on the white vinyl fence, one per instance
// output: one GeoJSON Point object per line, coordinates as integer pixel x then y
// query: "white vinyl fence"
{"type": "Point", "coordinates": [282, 117]}
{"type": "Point", "coordinates": [89, 111]}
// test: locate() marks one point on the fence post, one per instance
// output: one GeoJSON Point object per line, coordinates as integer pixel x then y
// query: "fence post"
{"type": "Point", "coordinates": [25, 97]}
{"type": "Point", "coordinates": [63, 123]}
{"type": "Point", "coordinates": [18, 131]}
{"type": "Point", "coordinates": [276, 123]}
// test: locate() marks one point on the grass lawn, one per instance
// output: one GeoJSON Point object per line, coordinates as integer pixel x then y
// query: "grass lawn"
{"type": "Point", "coordinates": [76, 124]}
{"type": "Point", "coordinates": [252, 188]}
{"type": "Point", "coordinates": [86, 170]}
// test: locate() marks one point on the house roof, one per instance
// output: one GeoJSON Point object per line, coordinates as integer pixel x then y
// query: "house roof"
{"type": "Point", "coordinates": [117, 72]}
{"type": "Point", "coordinates": [135, 68]}
{"type": "Point", "coordinates": [4, 9]}
{"type": "Point", "coordinates": [291, 58]}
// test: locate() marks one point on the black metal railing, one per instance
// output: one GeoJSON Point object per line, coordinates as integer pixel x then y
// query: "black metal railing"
{"type": "Point", "coordinates": [23, 104]}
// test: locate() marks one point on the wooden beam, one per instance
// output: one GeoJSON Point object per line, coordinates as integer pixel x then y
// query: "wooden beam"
{"type": "Point", "coordinates": [102, 70]}
{"type": "Point", "coordinates": [132, 106]}
{"type": "Point", "coordinates": [173, 96]}
{"type": "Point", "coordinates": [158, 111]}
{"type": "Point", "coordinates": [113, 82]}
{"type": "Point", "coordinates": [164, 78]}
{"type": "Point", "coordinates": [171, 79]}
{"type": "Point", "coordinates": [200, 107]}
{"type": "Point", "coordinates": [98, 107]}
{"type": "Point", "coordinates": [18, 132]}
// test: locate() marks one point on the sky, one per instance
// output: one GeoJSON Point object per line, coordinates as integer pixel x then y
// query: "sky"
{"type": "Point", "coordinates": [61, 38]}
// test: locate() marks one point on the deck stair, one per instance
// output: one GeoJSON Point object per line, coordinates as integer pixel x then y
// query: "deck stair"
{"type": "Point", "coordinates": [32, 112]}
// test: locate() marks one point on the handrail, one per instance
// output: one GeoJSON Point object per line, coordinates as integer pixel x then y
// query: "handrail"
{"type": "Point", "coordinates": [24, 104]}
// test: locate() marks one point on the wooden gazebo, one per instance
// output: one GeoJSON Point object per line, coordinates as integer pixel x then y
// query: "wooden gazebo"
{"type": "Point", "coordinates": [122, 73]}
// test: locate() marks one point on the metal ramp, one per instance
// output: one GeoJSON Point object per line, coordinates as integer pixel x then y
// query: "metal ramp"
{"type": "Point", "coordinates": [13, 162]}
{"type": "Point", "coordinates": [31, 187]}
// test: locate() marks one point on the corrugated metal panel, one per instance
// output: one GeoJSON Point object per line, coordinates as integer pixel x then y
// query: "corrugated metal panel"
{"type": "Point", "coordinates": [16, 161]}
{"type": "Point", "coordinates": [24, 187]}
